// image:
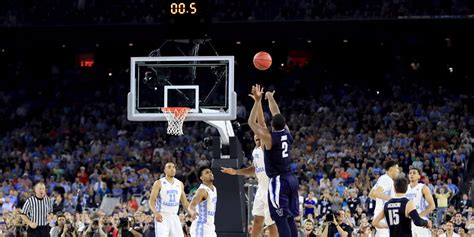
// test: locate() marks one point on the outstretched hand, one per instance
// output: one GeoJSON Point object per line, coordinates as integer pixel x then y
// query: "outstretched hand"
{"type": "Point", "coordinates": [257, 92]}
{"type": "Point", "coordinates": [228, 171]}
{"type": "Point", "coordinates": [269, 94]}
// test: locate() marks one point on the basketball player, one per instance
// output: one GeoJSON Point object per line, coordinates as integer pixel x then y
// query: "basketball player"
{"type": "Point", "coordinates": [164, 203]}
{"type": "Point", "coordinates": [420, 194]}
{"type": "Point", "coordinates": [398, 211]}
{"type": "Point", "coordinates": [383, 191]}
{"type": "Point", "coordinates": [205, 201]}
{"type": "Point", "coordinates": [260, 211]}
{"type": "Point", "coordinates": [283, 187]}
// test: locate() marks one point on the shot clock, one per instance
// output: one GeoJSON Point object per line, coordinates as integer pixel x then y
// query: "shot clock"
{"type": "Point", "coordinates": [183, 8]}
{"type": "Point", "coordinates": [186, 17]}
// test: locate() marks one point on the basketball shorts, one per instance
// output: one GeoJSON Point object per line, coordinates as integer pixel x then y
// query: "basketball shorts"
{"type": "Point", "coordinates": [382, 233]}
{"type": "Point", "coordinates": [283, 196]}
{"type": "Point", "coordinates": [199, 229]}
{"type": "Point", "coordinates": [169, 227]}
{"type": "Point", "coordinates": [418, 231]}
{"type": "Point", "coordinates": [260, 205]}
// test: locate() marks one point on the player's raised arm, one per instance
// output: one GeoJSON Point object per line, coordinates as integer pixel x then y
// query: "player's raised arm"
{"type": "Point", "coordinates": [429, 198]}
{"type": "Point", "coordinates": [183, 199]}
{"type": "Point", "coordinates": [274, 109]}
{"type": "Point", "coordinates": [258, 129]}
{"type": "Point", "coordinates": [260, 116]}
{"type": "Point", "coordinates": [377, 221]}
{"type": "Point", "coordinates": [200, 196]}
{"type": "Point", "coordinates": [155, 190]}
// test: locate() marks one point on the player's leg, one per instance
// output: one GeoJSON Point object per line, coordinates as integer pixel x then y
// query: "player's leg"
{"type": "Point", "coordinates": [272, 230]}
{"type": "Point", "coordinates": [278, 205]}
{"type": "Point", "coordinates": [293, 204]}
{"type": "Point", "coordinates": [268, 221]}
{"type": "Point", "coordinates": [258, 213]}
{"type": "Point", "coordinates": [257, 226]}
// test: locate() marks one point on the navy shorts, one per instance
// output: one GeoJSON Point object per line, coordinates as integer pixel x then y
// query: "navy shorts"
{"type": "Point", "coordinates": [283, 196]}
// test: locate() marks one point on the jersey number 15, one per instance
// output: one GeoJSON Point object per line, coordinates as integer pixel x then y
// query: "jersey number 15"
{"type": "Point", "coordinates": [393, 217]}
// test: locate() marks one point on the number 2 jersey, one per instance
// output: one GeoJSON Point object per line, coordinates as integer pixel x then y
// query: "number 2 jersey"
{"type": "Point", "coordinates": [398, 223]}
{"type": "Point", "coordinates": [169, 196]}
{"type": "Point", "coordinates": [278, 158]}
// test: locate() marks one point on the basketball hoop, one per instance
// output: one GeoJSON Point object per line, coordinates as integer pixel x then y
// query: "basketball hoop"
{"type": "Point", "coordinates": [175, 117]}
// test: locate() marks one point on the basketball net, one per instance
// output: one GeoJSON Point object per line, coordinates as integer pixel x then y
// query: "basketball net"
{"type": "Point", "coordinates": [175, 117]}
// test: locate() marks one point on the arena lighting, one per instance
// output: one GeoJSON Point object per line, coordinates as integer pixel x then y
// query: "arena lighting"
{"type": "Point", "coordinates": [309, 41]}
{"type": "Point", "coordinates": [97, 45]}
{"type": "Point", "coordinates": [238, 42]}
{"type": "Point", "coordinates": [345, 41]}
{"type": "Point", "coordinates": [3, 50]}
{"type": "Point", "coordinates": [273, 41]}
{"type": "Point", "coordinates": [282, 64]}
{"type": "Point", "coordinates": [130, 44]}
{"type": "Point", "coordinates": [110, 74]}
{"type": "Point", "coordinates": [378, 92]}
{"type": "Point", "coordinates": [451, 69]}
{"type": "Point", "coordinates": [64, 46]}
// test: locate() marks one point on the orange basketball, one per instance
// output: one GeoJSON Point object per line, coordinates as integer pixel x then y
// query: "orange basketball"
{"type": "Point", "coordinates": [262, 60]}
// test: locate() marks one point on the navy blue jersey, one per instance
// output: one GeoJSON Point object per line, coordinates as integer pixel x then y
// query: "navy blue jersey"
{"type": "Point", "coordinates": [398, 223]}
{"type": "Point", "coordinates": [278, 159]}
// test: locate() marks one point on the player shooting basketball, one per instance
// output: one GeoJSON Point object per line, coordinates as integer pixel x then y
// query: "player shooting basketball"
{"type": "Point", "coordinates": [260, 209]}
{"type": "Point", "coordinates": [283, 187]}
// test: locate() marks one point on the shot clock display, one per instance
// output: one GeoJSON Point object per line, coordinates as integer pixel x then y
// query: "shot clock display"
{"type": "Point", "coordinates": [183, 8]}
{"type": "Point", "coordinates": [185, 17]}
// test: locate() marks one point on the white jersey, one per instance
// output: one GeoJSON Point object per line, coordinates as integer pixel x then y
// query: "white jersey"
{"type": "Point", "coordinates": [169, 196]}
{"type": "Point", "coordinates": [387, 184]}
{"type": "Point", "coordinates": [259, 163]}
{"type": "Point", "coordinates": [416, 195]}
{"type": "Point", "coordinates": [207, 209]}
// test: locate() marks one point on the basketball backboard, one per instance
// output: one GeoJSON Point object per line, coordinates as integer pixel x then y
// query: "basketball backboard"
{"type": "Point", "coordinates": [205, 84]}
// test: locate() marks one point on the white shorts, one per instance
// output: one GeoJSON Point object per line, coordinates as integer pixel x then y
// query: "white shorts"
{"type": "Point", "coordinates": [202, 230]}
{"type": "Point", "coordinates": [169, 227]}
{"type": "Point", "coordinates": [418, 231]}
{"type": "Point", "coordinates": [260, 206]}
{"type": "Point", "coordinates": [382, 233]}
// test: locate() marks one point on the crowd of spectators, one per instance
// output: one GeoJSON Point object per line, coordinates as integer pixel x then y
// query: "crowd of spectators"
{"type": "Point", "coordinates": [86, 150]}
{"type": "Point", "coordinates": [17, 13]}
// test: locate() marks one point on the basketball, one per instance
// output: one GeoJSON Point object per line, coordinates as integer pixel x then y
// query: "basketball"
{"type": "Point", "coordinates": [262, 60]}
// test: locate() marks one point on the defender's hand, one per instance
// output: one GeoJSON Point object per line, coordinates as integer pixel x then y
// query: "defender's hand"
{"type": "Point", "coordinates": [230, 171]}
